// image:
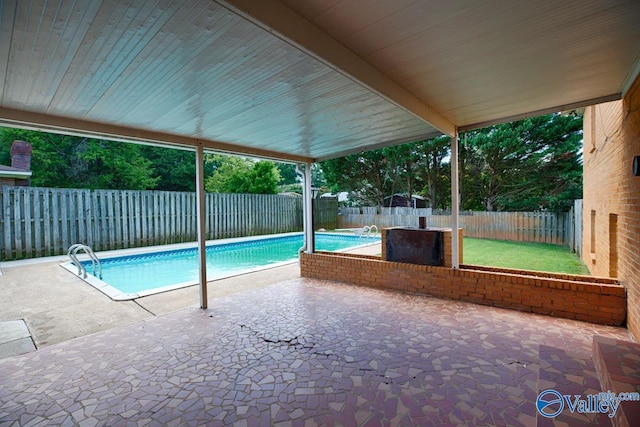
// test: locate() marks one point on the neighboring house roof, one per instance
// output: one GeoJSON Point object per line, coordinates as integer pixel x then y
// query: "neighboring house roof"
{"type": "Point", "coordinates": [9, 172]}
{"type": "Point", "coordinates": [413, 196]}
{"type": "Point", "coordinates": [342, 196]}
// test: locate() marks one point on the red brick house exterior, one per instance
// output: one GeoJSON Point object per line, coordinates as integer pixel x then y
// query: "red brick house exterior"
{"type": "Point", "coordinates": [611, 207]}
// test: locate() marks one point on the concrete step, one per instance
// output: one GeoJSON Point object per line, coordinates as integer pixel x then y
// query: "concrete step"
{"type": "Point", "coordinates": [571, 374]}
{"type": "Point", "coordinates": [15, 338]}
{"type": "Point", "coordinates": [618, 367]}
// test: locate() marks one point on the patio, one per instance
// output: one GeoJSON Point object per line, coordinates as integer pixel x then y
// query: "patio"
{"type": "Point", "coordinates": [309, 352]}
{"type": "Point", "coordinates": [313, 81]}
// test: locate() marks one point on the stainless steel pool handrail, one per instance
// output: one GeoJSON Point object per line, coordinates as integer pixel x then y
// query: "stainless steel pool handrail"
{"type": "Point", "coordinates": [367, 229]}
{"type": "Point", "coordinates": [95, 261]}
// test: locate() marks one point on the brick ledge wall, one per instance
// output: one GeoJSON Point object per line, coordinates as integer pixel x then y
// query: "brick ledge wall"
{"type": "Point", "coordinates": [595, 301]}
{"type": "Point", "coordinates": [561, 276]}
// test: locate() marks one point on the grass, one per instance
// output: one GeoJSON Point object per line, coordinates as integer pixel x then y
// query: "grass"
{"type": "Point", "coordinates": [524, 256]}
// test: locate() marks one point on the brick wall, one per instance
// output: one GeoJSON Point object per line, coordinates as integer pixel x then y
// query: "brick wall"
{"type": "Point", "coordinates": [611, 236]}
{"type": "Point", "coordinates": [590, 299]}
{"type": "Point", "coordinates": [21, 155]}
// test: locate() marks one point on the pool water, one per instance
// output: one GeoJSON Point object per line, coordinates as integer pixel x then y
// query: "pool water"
{"type": "Point", "coordinates": [134, 274]}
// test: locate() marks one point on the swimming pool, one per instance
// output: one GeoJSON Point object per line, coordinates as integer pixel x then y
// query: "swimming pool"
{"type": "Point", "coordinates": [133, 276]}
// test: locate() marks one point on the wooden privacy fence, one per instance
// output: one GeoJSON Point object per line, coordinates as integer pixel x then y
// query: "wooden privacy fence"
{"type": "Point", "coordinates": [544, 227]}
{"type": "Point", "coordinates": [380, 217]}
{"type": "Point", "coordinates": [38, 222]}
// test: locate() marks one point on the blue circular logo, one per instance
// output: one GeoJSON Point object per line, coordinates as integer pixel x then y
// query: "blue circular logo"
{"type": "Point", "coordinates": [549, 403]}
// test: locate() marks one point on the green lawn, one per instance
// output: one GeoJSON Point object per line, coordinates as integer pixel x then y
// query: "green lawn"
{"type": "Point", "coordinates": [524, 256]}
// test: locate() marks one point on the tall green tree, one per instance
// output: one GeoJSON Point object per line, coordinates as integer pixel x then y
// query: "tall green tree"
{"type": "Point", "coordinates": [230, 177]}
{"type": "Point", "coordinates": [77, 162]}
{"type": "Point", "coordinates": [240, 175]}
{"type": "Point", "coordinates": [174, 169]}
{"type": "Point", "coordinates": [317, 180]}
{"type": "Point", "coordinates": [403, 162]}
{"type": "Point", "coordinates": [400, 169]}
{"type": "Point", "coordinates": [504, 161]}
{"type": "Point", "coordinates": [530, 164]}
{"type": "Point", "coordinates": [434, 170]}
{"type": "Point", "coordinates": [525, 165]}
{"type": "Point", "coordinates": [287, 172]}
{"type": "Point", "coordinates": [264, 178]}
{"type": "Point", "coordinates": [366, 175]}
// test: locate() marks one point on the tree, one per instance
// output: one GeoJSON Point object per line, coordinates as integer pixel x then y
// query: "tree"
{"type": "Point", "coordinates": [240, 175]}
{"type": "Point", "coordinates": [230, 176]}
{"type": "Point", "coordinates": [402, 164]}
{"type": "Point", "coordinates": [287, 173]}
{"type": "Point", "coordinates": [264, 178]}
{"type": "Point", "coordinates": [434, 171]}
{"type": "Point", "coordinates": [530, 164]}
{"type": "Point", "coordinates": [468, 169]}
{"type": "Point", "coordinates": [77, 162]}
{"type": "Point", "coordinates": [401, 169]}
{"type": "Point", "coordinates": [175, 169]}
{"type": "Point", "coordinates": [318, 179]}
{"type": "Point", "coordinates": [560, 174]}
{"type": "Point", "coordinates": [525, 165]}
{"type": "Point", "coordinates": [502, 159]}
{"type": "Point", "coordinates": [366, 175]}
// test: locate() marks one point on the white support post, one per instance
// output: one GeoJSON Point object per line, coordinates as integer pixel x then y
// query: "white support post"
{"type": "Point", "coordinates": [202, 238]}
{"type": "Point", "coordinates": [309, 236]}
{"type": "Point", "coordinates": [455, 202]}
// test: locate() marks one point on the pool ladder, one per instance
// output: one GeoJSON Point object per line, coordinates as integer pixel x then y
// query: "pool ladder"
{"type": "Point", "coordinates": [96, 265]}
{"type": "Point", "coordinates": [368, 229]}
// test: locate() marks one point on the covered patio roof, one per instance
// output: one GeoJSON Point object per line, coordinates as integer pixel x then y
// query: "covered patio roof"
{"type": "Point", "coordinates": [306, 80]}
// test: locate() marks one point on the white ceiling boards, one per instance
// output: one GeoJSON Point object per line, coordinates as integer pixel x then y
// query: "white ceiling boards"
{"type": "Point", "coordinates": [306, 80]}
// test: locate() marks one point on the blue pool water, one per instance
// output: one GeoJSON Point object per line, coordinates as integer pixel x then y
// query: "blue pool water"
{"type": "Point", "coordinates": [134, 274]}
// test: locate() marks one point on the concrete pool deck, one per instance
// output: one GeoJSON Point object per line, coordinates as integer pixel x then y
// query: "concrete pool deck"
{"type": "Point", "coordinates": [56, 305]}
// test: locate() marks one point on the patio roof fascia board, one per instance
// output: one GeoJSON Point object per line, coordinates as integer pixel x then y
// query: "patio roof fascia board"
{"type": "Point", "coordinates": [14, 174]}
{"type": "Point", "coordinates": [68, 126]}
{"type": "Point", "coordinates": [536, 113]}
{"type": "Point", "coordinates": [281, 21]}
{"type": "Point", "coordinates": [634, 72]}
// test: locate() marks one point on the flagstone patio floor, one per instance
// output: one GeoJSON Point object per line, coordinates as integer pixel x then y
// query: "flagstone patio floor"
{"type": "Point", "coordinates": [308, 352]}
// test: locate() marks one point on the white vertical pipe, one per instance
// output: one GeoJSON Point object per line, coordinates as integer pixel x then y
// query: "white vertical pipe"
{"type": "Point", "coordinates": [308, 210]}
{"type": "Point", "coordinates": [202, 238]}
{"type": "Point", "coordinates": [455, 202]}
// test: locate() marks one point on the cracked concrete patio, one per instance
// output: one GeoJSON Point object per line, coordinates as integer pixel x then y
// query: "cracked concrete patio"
{"type": "Point", "coordinates": [309, 352]}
